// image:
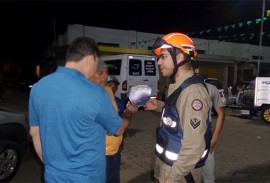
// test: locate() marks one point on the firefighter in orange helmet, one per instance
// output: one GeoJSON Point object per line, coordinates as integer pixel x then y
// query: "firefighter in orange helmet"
{"type": "Point", "coordinates": [183, 137]}
{"type": "Point", "coordinates": [175, 43]}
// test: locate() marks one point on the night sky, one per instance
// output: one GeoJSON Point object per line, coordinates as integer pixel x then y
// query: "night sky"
{"type": "Point", "coordinates": [27, 27]}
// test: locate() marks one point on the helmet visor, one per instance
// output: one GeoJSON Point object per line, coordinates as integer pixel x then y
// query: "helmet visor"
{"type": "Point", "coordinates": [160, 44]}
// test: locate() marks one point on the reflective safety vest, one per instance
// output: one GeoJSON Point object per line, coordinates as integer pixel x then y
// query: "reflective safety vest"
{"type": "Point", "coordinates": [170, 132]}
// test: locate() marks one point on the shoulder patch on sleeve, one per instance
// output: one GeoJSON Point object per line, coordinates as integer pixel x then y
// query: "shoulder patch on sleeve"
{"type": "Point", "coordinates": [197, 105]}
{"type": "Point", "coordinates": [195, 122]}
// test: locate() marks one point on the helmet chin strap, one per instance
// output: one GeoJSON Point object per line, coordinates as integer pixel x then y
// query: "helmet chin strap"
{"type": "Point", "coordinates": [176, 66]}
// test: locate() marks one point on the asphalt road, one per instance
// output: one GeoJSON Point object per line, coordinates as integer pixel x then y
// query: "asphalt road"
{"type": "Point", "coordinates": [242, 153]}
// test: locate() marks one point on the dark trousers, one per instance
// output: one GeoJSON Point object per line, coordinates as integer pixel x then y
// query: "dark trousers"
{"type": "Point", "coordinates": [113, 168]}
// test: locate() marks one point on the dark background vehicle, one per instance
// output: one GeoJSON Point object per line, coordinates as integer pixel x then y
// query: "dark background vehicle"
{"type": "Point", "coordinates": [14, 140]}
{"type": "Point", "coordinates": [26, 80]}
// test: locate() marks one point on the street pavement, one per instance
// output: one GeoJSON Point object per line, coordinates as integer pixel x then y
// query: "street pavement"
{"type": "Point", "coordinates": [242, 152]}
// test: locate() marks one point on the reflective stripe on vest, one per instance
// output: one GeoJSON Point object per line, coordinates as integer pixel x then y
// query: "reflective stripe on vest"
{"type": "Point", "coordinates": [170, 155]}
{"type": "Point", "coordinates": [173, 156]}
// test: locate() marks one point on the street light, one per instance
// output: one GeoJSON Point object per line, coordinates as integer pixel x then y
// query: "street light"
{"type": "Point", "coordinates": [261, 34]}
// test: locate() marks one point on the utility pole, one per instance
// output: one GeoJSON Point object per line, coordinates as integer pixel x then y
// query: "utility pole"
{"type": "Point", "coordinates": [54, 30]}
{"type": "Point", "coordinates": [261, 34]}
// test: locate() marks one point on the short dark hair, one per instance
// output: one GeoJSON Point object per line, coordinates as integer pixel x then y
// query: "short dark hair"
{"type": "Point", "coordinates": [113, 80]}
{"type": "Point", "coordinates": [80, 48]}
{"type": "Point", "coordinates": [186, 56]}
{"type": "Point", "coordinates": [194, 64]}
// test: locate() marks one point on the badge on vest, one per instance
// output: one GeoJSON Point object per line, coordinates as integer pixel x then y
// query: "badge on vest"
{"type": "Point", "coordinates": [196, 105]}
{"type": "Point", "coordinates": [195, 122]}
{"type": "Point", "coordinates": [169, 122]}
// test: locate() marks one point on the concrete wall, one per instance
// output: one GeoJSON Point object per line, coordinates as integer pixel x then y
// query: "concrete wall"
{"type": "Point", "coordinates": [125, 39]}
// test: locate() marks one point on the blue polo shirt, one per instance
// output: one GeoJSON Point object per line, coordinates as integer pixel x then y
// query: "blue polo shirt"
{"type": "Point", "coordinates": [73, 115]}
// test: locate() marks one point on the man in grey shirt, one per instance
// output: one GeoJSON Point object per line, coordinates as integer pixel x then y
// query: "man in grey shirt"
{"type": "Point", "coordinates": [208, 170]}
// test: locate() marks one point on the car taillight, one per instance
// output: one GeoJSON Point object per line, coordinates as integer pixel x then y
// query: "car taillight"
{"type": "Point", "coordinates": [124, 85]}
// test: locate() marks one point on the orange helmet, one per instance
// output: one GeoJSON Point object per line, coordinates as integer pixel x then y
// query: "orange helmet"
{"type": "Point", "coordinates": [177, 40]}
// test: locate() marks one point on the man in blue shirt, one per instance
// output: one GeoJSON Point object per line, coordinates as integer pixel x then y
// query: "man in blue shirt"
{"type": "Point", "coordinates": [68, 120]}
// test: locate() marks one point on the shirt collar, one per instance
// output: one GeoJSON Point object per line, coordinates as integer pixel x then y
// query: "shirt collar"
{"type": "Point", "coordinates": [69, 71]}
{"type": "Point", "coordinates": [175, 85]}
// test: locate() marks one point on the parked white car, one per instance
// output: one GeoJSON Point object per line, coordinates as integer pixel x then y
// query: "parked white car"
{"type": "Point", "coordinates": [132, 70]}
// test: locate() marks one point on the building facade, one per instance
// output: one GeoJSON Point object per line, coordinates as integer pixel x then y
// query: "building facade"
{"type": "Point", "coordinates": [225, 61]}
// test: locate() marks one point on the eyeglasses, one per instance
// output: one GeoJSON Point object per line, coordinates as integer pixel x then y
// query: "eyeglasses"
{"type": "Point", "coordinates": [163, 57]}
